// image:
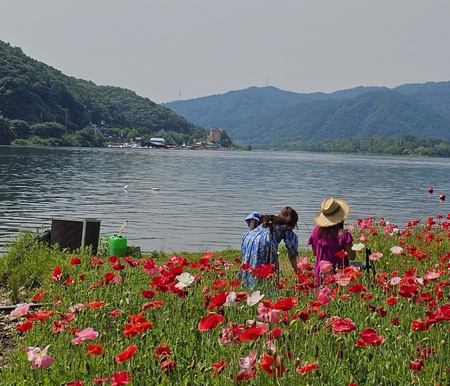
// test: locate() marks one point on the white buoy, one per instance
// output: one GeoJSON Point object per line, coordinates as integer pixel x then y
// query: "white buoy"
{"type": "Point", "coordinates": [125, 187]}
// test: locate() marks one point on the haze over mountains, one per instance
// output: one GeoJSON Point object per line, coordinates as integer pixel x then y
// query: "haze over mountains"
{"type": "Point", "coordinates": [261, 116]}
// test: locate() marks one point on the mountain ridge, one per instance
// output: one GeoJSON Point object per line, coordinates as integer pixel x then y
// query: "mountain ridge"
{"type": "Point", "coordinates": [267, 115]}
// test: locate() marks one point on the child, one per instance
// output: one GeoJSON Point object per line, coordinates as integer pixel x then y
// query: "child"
{"type": "Point", "coordinates": [329, 240]}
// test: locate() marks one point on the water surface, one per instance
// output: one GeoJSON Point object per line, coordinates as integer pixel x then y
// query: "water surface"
{"type": "Point", "coordinates": [204, 196]}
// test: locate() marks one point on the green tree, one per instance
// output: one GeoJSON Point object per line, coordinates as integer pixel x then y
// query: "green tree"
{"type": "Point", "coordinates": [6, 133]}
{"type": "Point", "coordinates": [21, 129]}
{"type": "Point", "coordinates": [49, 130]}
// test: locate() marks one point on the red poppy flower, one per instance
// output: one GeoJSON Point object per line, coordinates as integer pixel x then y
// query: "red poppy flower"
{"type": "Point", "coordinates": [264, 270]}
{"type": "Point", "coordinates": [395, 321]}
{"type": "Point", "coordinates": [96, 261]}
{"type": "Point", "coordinates": [285, 304]}
{"type": "Point", "coordinates": [340, 254]}
{"type": "Point", "coordinates": [209, 322]}
{"type": "Point", "coordinates": [369, 336]}
{"type": "Point", "coordinates": [408, 290]}
{"type": "Point", "coordinates": [419, 325]}
{"type": "Point", "coordinates": [168, 366]}
{"type": "Point", "coordinates": [75, 261]}
{"type": "Point", "coordinates": [131, 262]}
{"type": "Point", "coordinates": [38, 296]}
{"type": "Point", "coordinates": [252, 333]}
{"type": "Point", "coordinates": [94, 349]}
{"type": "Point", "coordinates": [148, 294]}
{"type": "Point", "coordinates": [57, 274]}
{"type": "Point", "coordinates": [391, 301]}
{"type": "Point", "coordinates": [128, 353]}
{"type": "Point", "coordinates": [272, 365]}
{"type": "Point", "coordinates": [24, 326]}
{"type": "Point", "coordinates": [100, 381]}
{"type": "Point", "coordinates": [121, 378]}
{"type": "Point", "coordinates": [308, 367]}
{"type": "Point", "coordinates": [356, 288]}
{"type": "Point", "coordinates": [218, 300]}
{"type": "Point", "coordinates": [109, 277]}
{"type": "Point", "coordinates": [275, 333]}
{"type": "Point", "coordinates": [341, 325]}
{"type": "Point", "coordinates": [367, 296]}
{"type": "Point", "coordinates": [219, 366]}
{"type": "Point", "coordinates": [138, 325]}
{"type": "Point", "coordinates": [96, 304]}
{"type": "Point", "coordinates": [302, 315]}
{"type": "Point", "coordinates": [162, 351]}
{"type": "Point", "coordinates": [117, 266]}
{"type": "Point", "coordinates": [155, 304]}
{"type": "Point", "coordinates": [416, 365]}
{"type": "Point", "coordinates": [75, 383]}
{"type": "Point", "coordinates": [40, 315]}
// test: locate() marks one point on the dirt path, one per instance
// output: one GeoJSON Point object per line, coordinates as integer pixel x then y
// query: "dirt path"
{"type": "Point", "coordinates": [7, 326]}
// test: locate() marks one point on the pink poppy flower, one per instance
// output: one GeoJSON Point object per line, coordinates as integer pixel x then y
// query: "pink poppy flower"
{"type": "Point", "coordinates": [87, 333]}
{"type": "Point", "coordinates": [267, 314]}
{"type": "Point", "coordinates": [248, 369]}
{"type": "Point", "coordinates": [375, 255]}
{"type": "Point", "coordinates": [303, 263]}
{"type": "Point", "coordinates": [325, 266]}
{"type": "Point", "coordinates": [39, 358]}
{"type": "Point", "coordinates": [21, 309]}
{"type": "Point", "coordinates": [325, 295]}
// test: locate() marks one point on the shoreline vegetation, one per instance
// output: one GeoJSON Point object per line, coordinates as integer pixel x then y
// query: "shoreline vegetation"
{"type": "Point", "coordinates": [139, 319]}
{"type": "Point", "coordinates": [407, 145]}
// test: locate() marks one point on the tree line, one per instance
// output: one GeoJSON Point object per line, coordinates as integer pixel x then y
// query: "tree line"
{"type": "Point", "coordinates": [406, 145]}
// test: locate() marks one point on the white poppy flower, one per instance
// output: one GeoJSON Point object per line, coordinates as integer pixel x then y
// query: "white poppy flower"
{"type": "Point", "coordinates": [254, 298]}
{"type": "Point", "coordinates": [231, 299]}
{"type": "Point", "coordinates": [358, 247]}
{"type": "Point", "coordinates": [396, 250]}
{"type": "Point", "coordinates": [184, 280]}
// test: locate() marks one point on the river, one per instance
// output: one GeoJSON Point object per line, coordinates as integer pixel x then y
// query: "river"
{"type": "Point", "coordinates": [186, 200]}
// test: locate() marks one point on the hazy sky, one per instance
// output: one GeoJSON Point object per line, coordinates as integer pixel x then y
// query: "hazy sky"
{"type": "Point", "coordinates": [181, 49]}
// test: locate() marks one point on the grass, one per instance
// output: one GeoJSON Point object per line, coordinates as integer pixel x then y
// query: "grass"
{"type": "Point", "coordinates": [131, 321]}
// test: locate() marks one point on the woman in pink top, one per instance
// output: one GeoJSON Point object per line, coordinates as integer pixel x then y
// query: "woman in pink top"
{"type": "Point", "coordinates": [329, 240]}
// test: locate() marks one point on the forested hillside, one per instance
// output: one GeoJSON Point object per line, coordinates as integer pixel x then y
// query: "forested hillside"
{"type": "Point", "coordinates": [38, 100]}
{"type": "Point", "coordinates": [266, 117]}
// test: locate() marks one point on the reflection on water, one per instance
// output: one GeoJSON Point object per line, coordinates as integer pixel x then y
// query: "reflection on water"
{"type": "Point", "coordinates": [204, 196]}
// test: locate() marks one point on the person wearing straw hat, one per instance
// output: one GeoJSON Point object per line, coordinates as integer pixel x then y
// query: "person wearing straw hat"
{"type": "Point", "coordinates": [329, 240]}
{"type": "Point", "coordinates": [260, 244]}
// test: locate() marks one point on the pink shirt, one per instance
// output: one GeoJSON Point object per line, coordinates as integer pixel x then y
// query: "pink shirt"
{"type": "Point", "coordinates": [327, 249]}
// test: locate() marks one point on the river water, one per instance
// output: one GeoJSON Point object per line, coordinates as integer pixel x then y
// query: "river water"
{"type": "Point", "coordinates": [185, 200]}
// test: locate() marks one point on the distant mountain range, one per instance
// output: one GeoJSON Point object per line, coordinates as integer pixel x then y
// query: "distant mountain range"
{"type": "Point", "coordinates": [261, 116]}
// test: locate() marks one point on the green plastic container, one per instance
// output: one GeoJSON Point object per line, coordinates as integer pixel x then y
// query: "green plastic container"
{"type": "Point", "coordinates": [117, 245]}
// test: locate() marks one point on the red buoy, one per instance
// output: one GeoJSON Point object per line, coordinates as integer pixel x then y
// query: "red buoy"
{"type": "Point", "coordinates": [430, 190]}
{"type": "Point", "coordinates": [442, 197]}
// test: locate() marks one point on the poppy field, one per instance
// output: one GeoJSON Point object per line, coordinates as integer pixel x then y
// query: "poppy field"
{"type": "Point", "coordinates": [187, 320]}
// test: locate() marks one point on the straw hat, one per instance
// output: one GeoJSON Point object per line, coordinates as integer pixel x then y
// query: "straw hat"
{"type": "Point", "coordinates": [332, 211]}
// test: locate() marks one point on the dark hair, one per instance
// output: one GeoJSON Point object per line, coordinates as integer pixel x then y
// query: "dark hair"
{"type": "Point", "coordinates": [287, 217]}
{"type": "Point", "coordinates": [330, 233]}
